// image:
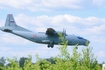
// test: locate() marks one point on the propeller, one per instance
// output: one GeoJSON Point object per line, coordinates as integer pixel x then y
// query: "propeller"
{"type": "Point", "coordinates": [64, 32]}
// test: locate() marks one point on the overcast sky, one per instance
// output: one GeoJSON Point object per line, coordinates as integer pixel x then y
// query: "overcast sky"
{"type": "Point", "coordinates": [84, 18]}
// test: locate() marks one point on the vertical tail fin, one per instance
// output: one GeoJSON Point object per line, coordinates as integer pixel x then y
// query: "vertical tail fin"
{"type": "Point", "coordinates": [10, 21]}
{"type": "Point", "coordinates": [10, 24]}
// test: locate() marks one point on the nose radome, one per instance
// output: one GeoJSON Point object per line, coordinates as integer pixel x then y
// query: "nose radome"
{"type": "Point", "coordinates": [87, 42]}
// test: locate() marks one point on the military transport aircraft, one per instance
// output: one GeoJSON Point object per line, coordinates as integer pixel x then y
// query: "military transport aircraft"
{"type": "Point", "coordinates": [49, 37]}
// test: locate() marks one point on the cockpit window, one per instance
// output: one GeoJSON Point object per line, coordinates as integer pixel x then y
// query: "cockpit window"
{"type": "Point", "coordinates": [80, 38]}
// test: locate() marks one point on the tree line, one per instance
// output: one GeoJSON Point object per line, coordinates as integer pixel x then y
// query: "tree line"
{"type": "Point", "coordinates": [84, 60]}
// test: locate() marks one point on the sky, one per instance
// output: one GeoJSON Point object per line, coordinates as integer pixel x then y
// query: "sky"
{"type": "Point", "coordinates": [84, 18]}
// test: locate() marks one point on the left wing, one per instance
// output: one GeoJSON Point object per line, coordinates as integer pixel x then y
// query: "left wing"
{"type": "Point", "coordinates": [51, 32]}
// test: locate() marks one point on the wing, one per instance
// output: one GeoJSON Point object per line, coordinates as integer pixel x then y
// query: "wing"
{"type": "Point", "coordinates": [51, 32]}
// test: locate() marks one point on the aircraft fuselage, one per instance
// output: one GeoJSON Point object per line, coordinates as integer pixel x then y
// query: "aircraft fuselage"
{"type": "Point", "coordinates": [45, 39]}
{"type": "Point", "coordinates": [50, 37]}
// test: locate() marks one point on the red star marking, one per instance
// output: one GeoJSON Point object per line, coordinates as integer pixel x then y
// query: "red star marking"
{"type": "Point", "coordinates": [34, 36]}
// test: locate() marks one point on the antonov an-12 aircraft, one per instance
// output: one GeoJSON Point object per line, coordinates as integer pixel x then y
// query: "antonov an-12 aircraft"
{"type": "Point", "coordinates": [49, 37]}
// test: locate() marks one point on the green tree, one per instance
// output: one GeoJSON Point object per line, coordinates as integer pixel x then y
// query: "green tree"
{"type": "Point", "coordinates": [51, 60]}
{"type": "Point", "coordinates": [22, 61]}
{"type": "Point", "coordinates": [84, 60]}
{"type": "Point", "coordinates": [2, 61]}
{"type": "Point", "coordinates": [13, 64]}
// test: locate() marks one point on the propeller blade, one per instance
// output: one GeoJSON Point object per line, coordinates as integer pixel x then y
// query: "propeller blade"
{"type": "Point", "coordinates": [64, 31]}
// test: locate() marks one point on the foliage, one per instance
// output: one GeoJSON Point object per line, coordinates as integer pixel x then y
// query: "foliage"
{"type": "Point", "coordinates": [14, 65]}
{"type": "Point", "coordinates": [2, 61]}
{"type": "Point", "coordinates": [64, 61]}
{"type": "Point", "coordinates": [22, 61]}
